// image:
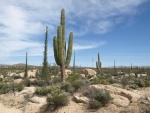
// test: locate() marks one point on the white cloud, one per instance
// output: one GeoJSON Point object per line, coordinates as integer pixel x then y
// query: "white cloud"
{"type": "Point", "coordinates": [87, 45]}
{"type": "Point", "coordinates": [22, 22]}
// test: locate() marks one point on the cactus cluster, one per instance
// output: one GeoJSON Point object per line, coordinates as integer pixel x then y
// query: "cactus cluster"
{"type": "Point", "coordinates": [62, 57]}
{"type": "Point", "coordinates": [98, 65]}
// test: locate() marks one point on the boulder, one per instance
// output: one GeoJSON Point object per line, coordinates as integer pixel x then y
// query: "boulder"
{"type": "Point", "coordinates": [38, 100]}
{"type": "Point", "coordinates": [82, 75]}
{"type": "Point", "coordinates": [132, 74]}
{"type": "Point", "coordinates": [133, 97]}
{"type": "Point", "coordinates": [17, 81]}
{"type": "Point", "coordinates": [120, 100]}
{"type": "Point", "coordinates": [80, 99]}
{"type": "Point", "coordinates": [89, 72]}
{"type": "Point", "coordinates": [28, 91]}
{"type": "Point", "coordinates": [67, 72]}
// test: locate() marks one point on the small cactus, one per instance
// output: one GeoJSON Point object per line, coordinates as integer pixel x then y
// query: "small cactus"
{"type": "Point", "coordinates": [98, 65]}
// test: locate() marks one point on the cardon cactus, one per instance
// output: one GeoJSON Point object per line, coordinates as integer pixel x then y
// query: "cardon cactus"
{"type": "Point", "coordinates": [59, 44]}
{"type": "Point", "coordinates": [98, 65]}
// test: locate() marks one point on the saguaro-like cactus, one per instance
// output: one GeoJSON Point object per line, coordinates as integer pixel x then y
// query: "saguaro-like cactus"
{"type": "Point", "coordinates": [59, 44]}
{"type": "Point", "coordinates": [26, 67]}
{"type": "Point", "coordinates": [98, 65]}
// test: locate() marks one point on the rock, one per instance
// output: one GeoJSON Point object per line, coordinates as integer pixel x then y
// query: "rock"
{"type": "Point", "coordinates": [148, 98]}
{"type": "Point", "coordinates": [120, 100]}
{"type": "Point", "coordinates": [133, 97]}
{"type": "Point", "coordinates": [38, 100]}
{"type": "Point", "coordinates": [28, 91]}
{"type": "Point", "coordinates": [80, 99]}
{"type": "Point", "coordinates": [132, 74]}
{"type": "Point", "coordinates": [143, 75]}
{"type": "Point", "coordinates": [126, 75]}
{"type": "Point", "coordinates": [17, 81]}
{"type": "Point", "coordinates": [1, 76]}
{"type": "Point", "coordinates": [82, 75]}
{"type": "Point", "coordinates": [89, 72]}
{"type": "Point", "coordinates": [67, 72]}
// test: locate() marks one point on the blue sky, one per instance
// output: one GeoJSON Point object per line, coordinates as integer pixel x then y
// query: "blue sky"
{"type": "Point", "coordinates": [118, 29]}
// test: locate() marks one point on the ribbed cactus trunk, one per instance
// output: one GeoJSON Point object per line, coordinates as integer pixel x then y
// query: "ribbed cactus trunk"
{"type": "Point", "coordinates": [98, 65]}
{"type": "Point", "coordinates": [59, 42]}
{"type": "Point", "coordinates": [74, 65]}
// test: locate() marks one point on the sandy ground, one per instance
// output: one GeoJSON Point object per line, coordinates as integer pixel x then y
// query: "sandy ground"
{"type": "Point", "coordinates": [4, 109]}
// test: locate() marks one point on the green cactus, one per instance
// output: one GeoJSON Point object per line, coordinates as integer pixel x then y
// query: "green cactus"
{"type": "Point", "coordinates": [45, 70]}
{"type": "Point", "coordinates": [59, 45]}
{"type": "Point", "coordinates": [98, 65]}
{"type": "Point", "coordinates": [26, 67]}
{"type": "Point", "coordinates": [74, 65]}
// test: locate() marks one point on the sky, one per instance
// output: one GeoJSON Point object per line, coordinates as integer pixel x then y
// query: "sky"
{"type": "Point", "coordinates": [118, 29]}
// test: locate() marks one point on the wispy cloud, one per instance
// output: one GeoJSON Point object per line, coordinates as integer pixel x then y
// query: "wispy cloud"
{"type": "Point", "coordinates": [22, 22]}
{"type": "Point", "coordinates": [87, 45]}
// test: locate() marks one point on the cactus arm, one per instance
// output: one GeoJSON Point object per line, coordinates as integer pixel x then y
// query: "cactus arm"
{"type": "Point", "coordinates": [69, 52]}
{"type": "Point", "coordinates": [60, 52]}
{"type": "Point", "coordinates": [55, 47]}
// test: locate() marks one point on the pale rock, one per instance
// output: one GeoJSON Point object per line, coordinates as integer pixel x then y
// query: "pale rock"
{"type": "Point", "coordinates": [38, 100]}
{"type": "Point", "coordinates": [120, 100]}
{"type": "Point", "coordinates": [80, 99]}
{"type": "Point", "coordinates": [89, 72]}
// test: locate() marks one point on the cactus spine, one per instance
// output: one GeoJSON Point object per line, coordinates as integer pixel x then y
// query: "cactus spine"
{"type": "Point", "coordinates": [98, 65]}
{"type": "Point", "coordinates": [26, 67]}
{"type": "Point", "coordinates": [59, 44]}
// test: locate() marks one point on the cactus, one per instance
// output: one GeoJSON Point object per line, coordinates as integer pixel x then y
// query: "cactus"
{"type": "Point", "coordinates": [26, 67]}
{"type": "Point", "coordinates": [59, 45]}
{"type": "Point", "coordinates": [98, 65]}
{"type": "Point", "coordinates": [45, 70]}
{"type": "Point", "coordinates": [74, 65]}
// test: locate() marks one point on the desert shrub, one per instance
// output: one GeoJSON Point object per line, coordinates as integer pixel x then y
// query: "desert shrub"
{"type": "Point", "coordinates": [5, 88]}
{"type": "Point", "coordinates": [140, 82]}
{"type": "Point", "coordinates": [104, 97]}
{"type": "Point", "coordinates": [65, 86]}
{"type": "Point", "coordinates": [19, 87]}
{"type": "Point", "coordinates": [94, 104]}
{"type": "Point", "coordinates": [56, 80]}
{"type": "Point", "coordinates": [112, 81]}
{"type": "Point", "coordinates": [41, 83]}
{"type": "Point", "coordinates": [117, 85]}
{"type": "Point", "coordinates": [133, 86]}
{"type": "Point", "coordinates": [1, 79]}
{"type": "Point", "coordinates": [16, 76]}
{"type": "Point", "coordinates": [124, 81]}
{"type": "Point", "coordinates": [57, 98]}
{"type": "Point", "coordinates": [77, 84]}
{"type": "Point", "coordinates": [45, 90]}
{"type": "Point", "coordinates": [26, 82]}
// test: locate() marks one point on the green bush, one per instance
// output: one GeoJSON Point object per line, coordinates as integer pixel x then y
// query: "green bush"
{"type": "Point", "coordinates": [124, 81]}
{"type": "Point", "coordinates": [133, 86]}
{"type": "Point", "coordinates": [1, 79]}
{"type": "Point", "coordinates": [65, 86]}
{"type": "Point", "coordinates": [5, 88]}
{"type": "Point", "coordinates": [117, 85]}
{"type": "Point", "coordinates": [26, 82]}
{"type": "Point", "coordinates": [45, 90]}
{"type": "Point", "coordinates": [94, 104]}
{"type": "Point", "coordinates": [19, 87]}
{"type": "Point", "coordinates": [104, 98]}
{"type": "Point", "coordinates": [77, 84]}
{"type": "Point", "coordinates": [41, 83]}
{"type": "Point", "coordinates": [56, 80]}
{"type": "Point", "coordinates": [57, 98]}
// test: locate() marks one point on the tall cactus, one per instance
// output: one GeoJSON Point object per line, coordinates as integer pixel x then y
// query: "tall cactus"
{"type": "Point", "coordinates": [26, 66]}
{"type": "Point", "coordinates": [59, 44]}
{"type": "Point", "coordinates": [45, 70]}
{"type": "Point", "coordinates": [74, 65]}
{"type": "Point", "coordinates": [98, 65]}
